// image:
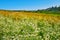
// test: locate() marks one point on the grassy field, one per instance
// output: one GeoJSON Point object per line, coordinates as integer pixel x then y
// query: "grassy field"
{"type": "Point", "coordinates": [29, 26]}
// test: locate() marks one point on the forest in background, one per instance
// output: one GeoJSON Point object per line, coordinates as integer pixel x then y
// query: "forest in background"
{"type": "Point", "coordinates": [50, 10]}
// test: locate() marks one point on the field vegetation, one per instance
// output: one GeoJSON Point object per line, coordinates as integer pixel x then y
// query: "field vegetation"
{"type": "Point", "coordinates": [25, 25]}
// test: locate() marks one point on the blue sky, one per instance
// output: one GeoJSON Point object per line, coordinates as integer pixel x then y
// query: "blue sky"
{"type": "Point", "coordinates": [27, 4]}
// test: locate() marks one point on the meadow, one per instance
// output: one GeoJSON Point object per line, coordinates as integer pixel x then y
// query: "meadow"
{"type": "Point", "coordinates": [29, 26]}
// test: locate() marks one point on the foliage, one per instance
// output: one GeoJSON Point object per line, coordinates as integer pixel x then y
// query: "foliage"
{"type": "Point", "coordinates": [29, 26]}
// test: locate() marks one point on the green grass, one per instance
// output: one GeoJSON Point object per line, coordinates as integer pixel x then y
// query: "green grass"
{"type": "Point", "coordinates": [28, 29]}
